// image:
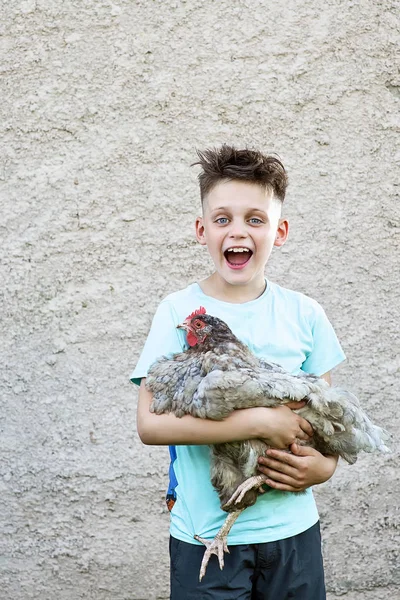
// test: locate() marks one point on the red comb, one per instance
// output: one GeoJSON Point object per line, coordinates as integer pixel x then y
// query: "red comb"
{"type": "Point", "coordinates": [199, 311]}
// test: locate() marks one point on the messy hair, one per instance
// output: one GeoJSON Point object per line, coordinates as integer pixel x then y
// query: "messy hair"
{"type": "Point", "coordinates": [229, 163]}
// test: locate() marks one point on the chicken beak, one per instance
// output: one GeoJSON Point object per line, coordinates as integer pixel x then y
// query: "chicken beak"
{"type": "Point", "coordinates": [183, 326]}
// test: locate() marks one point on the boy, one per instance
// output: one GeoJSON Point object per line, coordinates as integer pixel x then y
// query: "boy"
{"type": "Point", "coordinates": [275, 546]}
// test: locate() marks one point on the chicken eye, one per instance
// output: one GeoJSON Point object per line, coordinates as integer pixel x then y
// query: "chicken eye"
{"type": "Point", "coordinates": [198, 324]}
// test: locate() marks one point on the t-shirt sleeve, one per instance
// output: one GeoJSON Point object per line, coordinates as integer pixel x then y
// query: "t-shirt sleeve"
{"type": "Point", "coordinates": [164, 339]}
{"type": "Point", "coordinates": [326, 352]}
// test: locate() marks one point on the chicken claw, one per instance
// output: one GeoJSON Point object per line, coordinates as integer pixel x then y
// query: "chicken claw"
{"type": "Point", "coordinates": [252, 482]}
{"type": "Point", "coordinates": [218, 545]}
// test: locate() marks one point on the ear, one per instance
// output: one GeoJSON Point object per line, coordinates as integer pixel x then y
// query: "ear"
{"type": "Point", "coordinates": [200, 231]}
{"type": "Point", "coordinates": [282, 232]}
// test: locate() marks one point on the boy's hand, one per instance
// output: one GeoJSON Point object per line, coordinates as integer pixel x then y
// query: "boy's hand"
{"type": "Point", "coordinates": [279, 427]}
{"type": "Point", "coordinates": [297, 471]}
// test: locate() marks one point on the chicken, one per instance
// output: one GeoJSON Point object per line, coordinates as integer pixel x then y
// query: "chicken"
{"type": "Point", "coordinates": [219, 374]}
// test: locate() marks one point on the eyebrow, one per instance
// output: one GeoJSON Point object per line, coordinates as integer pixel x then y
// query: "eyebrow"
{"type": "Point", "coordinates": [226, 208]}
{"type": "Point", "coordinates": [219, 208]}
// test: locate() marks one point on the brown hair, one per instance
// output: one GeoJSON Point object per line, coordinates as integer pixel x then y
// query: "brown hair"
{"type": "Point", "coordinates": [228, 163]}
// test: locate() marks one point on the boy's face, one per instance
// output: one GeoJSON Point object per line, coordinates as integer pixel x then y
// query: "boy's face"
{"type": "Point", "coordinates": [241, 223]}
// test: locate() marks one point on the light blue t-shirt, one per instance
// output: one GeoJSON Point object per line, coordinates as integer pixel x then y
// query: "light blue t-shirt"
{"type": "Point", "coordinates": [281, 326]}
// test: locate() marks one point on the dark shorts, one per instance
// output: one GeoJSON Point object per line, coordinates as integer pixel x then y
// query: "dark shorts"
{"type": "Point", "coordinates": [289, 568]}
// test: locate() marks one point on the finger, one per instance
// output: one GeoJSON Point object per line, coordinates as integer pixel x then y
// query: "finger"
{"type": "Point", "coordinates": [306, 427]}
{"type": "Point", "coordinates": [295, 405]}
{"type": "Point", "coordinates": [283, 487]}
{"type": "Point", "coordinates": [283, 457]}
{"type": "Point", "coordinates": [282, 479]}
{"type": "Point", "coordinates": [267, 464]}
{"type": "Point", "coordinates": [279, 477]}
{"type": "Point", "coordinates": [300, 450]}
{"type": "Point", "coordinates": [303, 436]}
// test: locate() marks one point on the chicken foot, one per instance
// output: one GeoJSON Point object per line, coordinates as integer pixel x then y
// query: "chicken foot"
{"type": "Point", "coordinates": [218, 545]}
{"type": "Point", "coordinates": [252, 482]}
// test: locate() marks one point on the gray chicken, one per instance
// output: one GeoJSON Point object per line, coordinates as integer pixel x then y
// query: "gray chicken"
{"type": "Point", "coordinates": [219, 374]}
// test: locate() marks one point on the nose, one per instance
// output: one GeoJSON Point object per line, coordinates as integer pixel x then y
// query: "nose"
{"type": "Point", "coordinates": [238, 229]}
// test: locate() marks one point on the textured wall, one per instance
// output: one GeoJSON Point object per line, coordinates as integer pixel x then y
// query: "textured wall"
{"type": "Point", "coordinates": [103, 104]}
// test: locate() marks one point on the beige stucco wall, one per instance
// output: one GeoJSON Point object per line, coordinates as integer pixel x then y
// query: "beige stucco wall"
{"type": "Point", "coordinates": [102, 106]}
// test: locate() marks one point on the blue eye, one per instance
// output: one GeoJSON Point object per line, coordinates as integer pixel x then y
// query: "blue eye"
{"type": "Point", "coordinates": [255, 221]}
{"type": "Point", "coordinates": [222, 221]}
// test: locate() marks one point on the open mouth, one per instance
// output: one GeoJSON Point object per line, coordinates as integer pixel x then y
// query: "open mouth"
{"type": "Point", "coordinates": [238, 257]}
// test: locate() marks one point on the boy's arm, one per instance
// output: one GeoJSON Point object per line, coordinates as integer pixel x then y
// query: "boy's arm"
{"type": "Point", "coordinates": [300, 470]}
{"type": "Point", "coordinates": [278, 426]}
